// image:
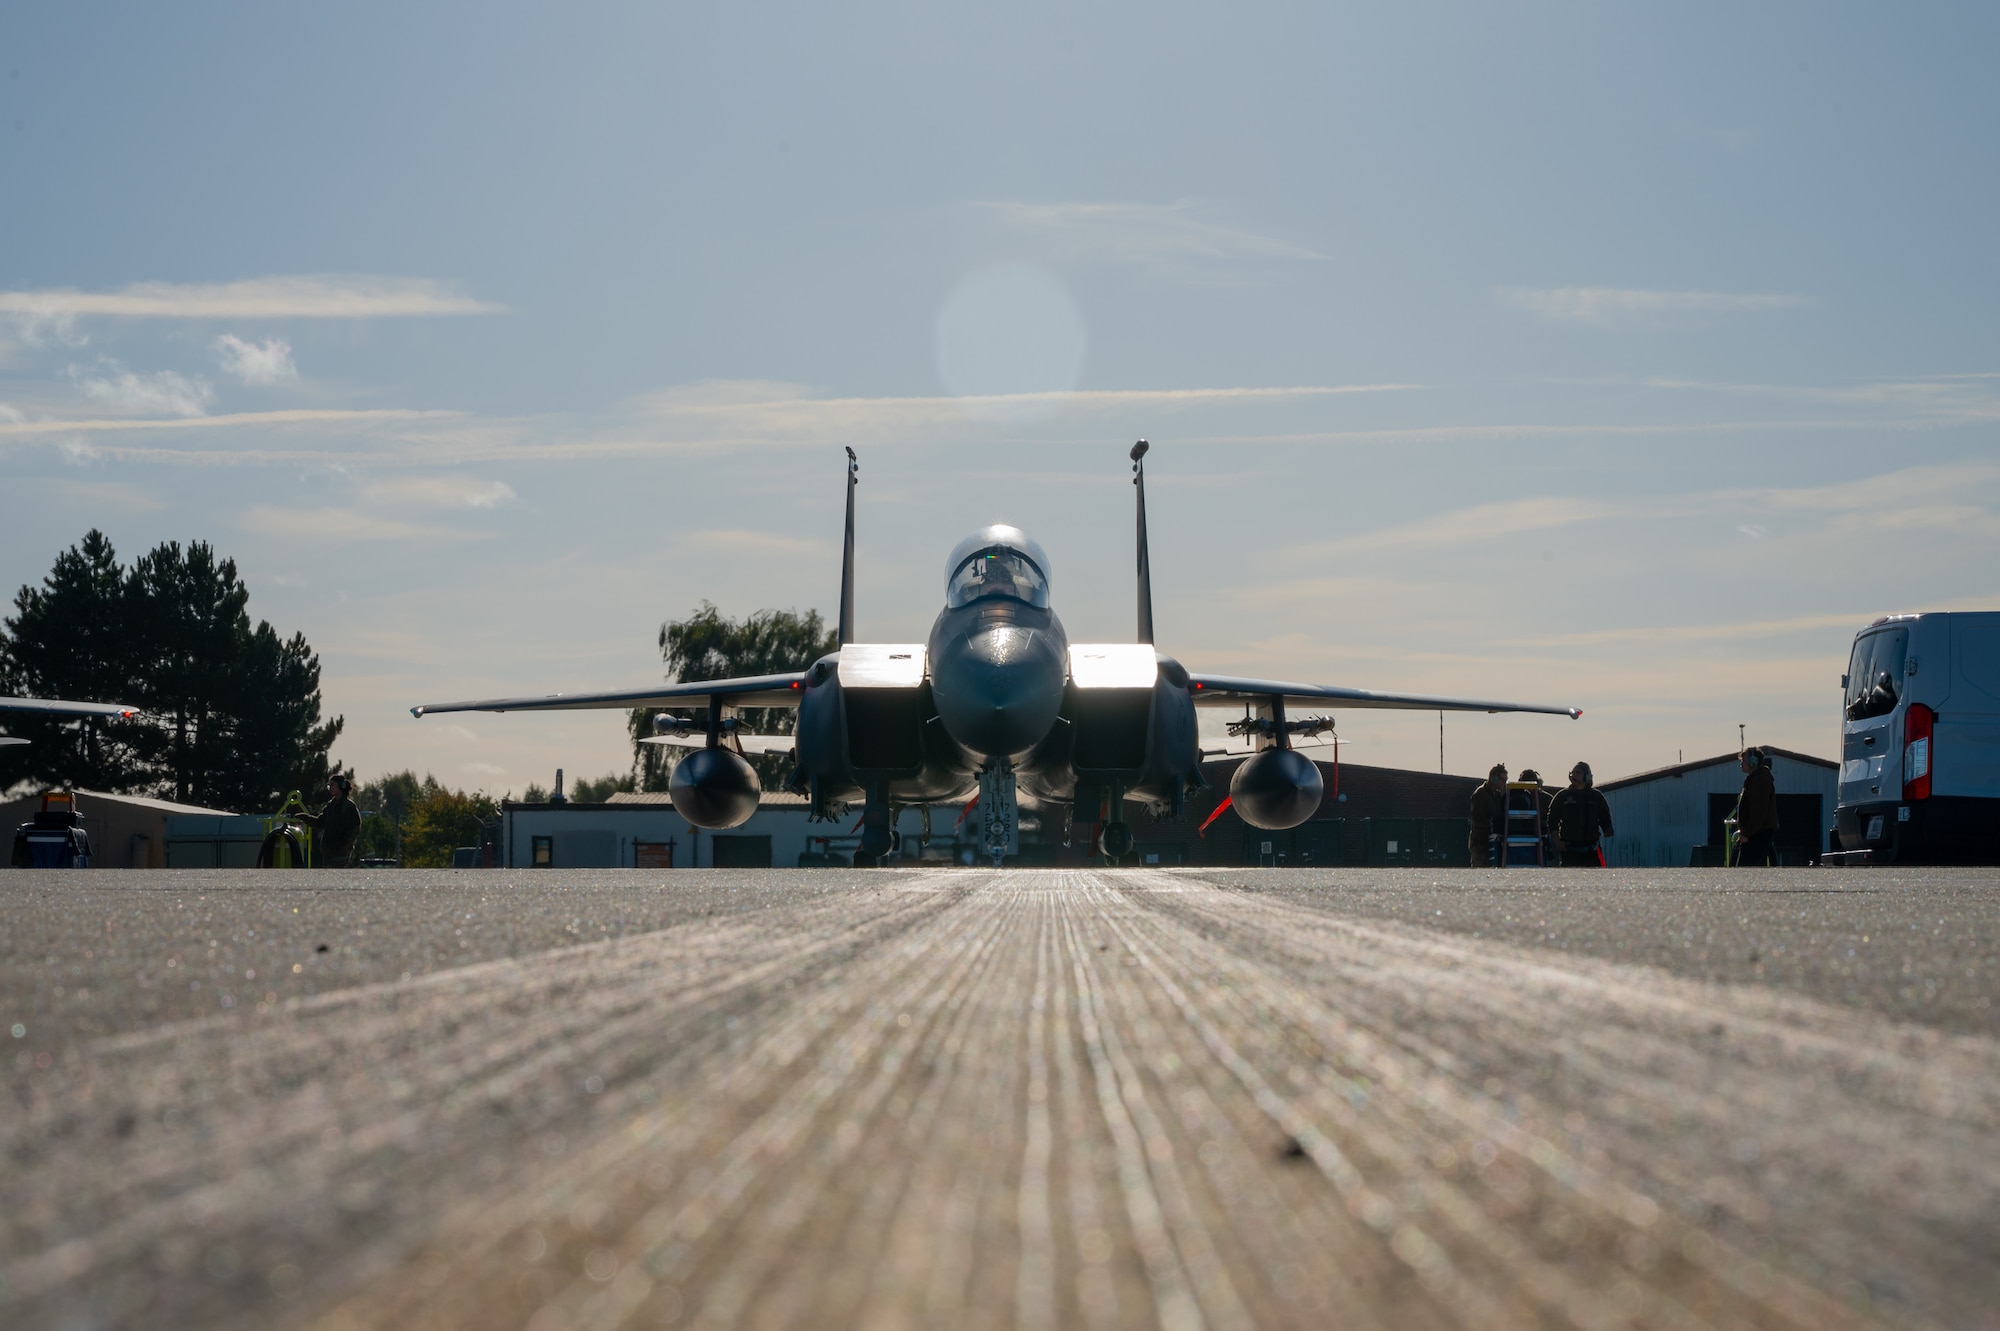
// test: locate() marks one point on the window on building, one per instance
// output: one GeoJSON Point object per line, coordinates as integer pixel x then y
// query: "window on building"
{"type": "Point", "coordinates": [544, 853]}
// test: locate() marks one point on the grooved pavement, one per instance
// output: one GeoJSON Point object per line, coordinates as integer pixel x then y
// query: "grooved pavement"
{"type": "Point", "coordinates": [1184, 1099]}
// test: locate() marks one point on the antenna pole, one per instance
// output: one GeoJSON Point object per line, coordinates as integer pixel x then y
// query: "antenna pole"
{"type": "Point", "coordinates": [847, 555]}
{"type": "Point", "coordinates": [1145, 557]}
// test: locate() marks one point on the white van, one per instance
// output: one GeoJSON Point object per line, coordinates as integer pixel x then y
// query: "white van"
{"type": "Point", "coordinates": [1920, 742]}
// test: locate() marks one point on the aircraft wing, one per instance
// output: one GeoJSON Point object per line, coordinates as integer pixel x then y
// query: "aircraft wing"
{"type": "Point", "coordinates": [754, 691]}
{"type": "Point", "coordinates": [6, 740]}
{"type": "Point", "coordinates": [750, 743]}
{"type": "Point", "coordinates": [1234, 691]}
{"type": "Point", "coordinates": [63, 707]}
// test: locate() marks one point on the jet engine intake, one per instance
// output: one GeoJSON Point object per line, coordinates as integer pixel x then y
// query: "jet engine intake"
{"type": "Point", "coordinates": [1276, 789]}
{"type": "Point", "coordinates": [715, 788]}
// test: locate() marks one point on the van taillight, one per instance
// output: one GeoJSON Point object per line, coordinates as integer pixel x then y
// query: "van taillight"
{"type": "Point", "coordinates": [1917, 725]}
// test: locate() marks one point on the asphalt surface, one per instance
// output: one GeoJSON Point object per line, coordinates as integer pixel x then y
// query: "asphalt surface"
{"type": "Point", "coordinates": [1195, 1098]}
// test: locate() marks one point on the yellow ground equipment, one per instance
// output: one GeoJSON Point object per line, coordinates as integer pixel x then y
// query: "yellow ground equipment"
{"type": "Point", "coordinates": [287, 842]}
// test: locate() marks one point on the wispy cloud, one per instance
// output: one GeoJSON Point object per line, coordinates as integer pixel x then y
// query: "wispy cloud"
{"type": "Point", "coordinates": [1884, 493]}
{"type": "Point", "coordinates": [299, 297]}
{"type": "Point", "coordinates": [1187, 240]}
{"type": "Point", "coordinates": [1967, 396]}
{"type": "Point", "coordinates": [263, 362]}
{"type": "Point", "coordinates": [207, 440]}
{"type": "Point", "coordinates": [1479, 524]}
{"type": "Point", "coordinates": [743, 541]}
{"type": "Point", "coordinates": [163, 393]}
{"type": "Point", "coordinates": [1616, 307]}
{"type": "Point", "coordinates": [1700, 633]}
{"type": "Point", "coordinates": [97, 496]}
{"type": "Point", "coordinates": [442, 492]}
{"type": "Point", "coordinates": [338, 525]}
{"type": "Point", "coordinates": [731, 416]}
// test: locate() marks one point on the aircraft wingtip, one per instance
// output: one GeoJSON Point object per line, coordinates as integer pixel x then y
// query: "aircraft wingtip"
{"type": "Point", "coordinates": [417, 712]}
{"type": "Point", "coordinates": [1576, 714]}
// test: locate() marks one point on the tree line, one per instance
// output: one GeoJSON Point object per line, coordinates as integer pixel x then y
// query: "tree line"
{"type": "Point", "coordinates": [418, 823]}
{"type": "Point", "coordinates": [232, 713]}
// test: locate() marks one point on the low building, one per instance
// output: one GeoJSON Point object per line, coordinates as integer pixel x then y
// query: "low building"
{"type": "Point", "coordinates": [1382, 816]}
{"type": "Point", "coordinates": [1672, 817]}
{"type": "Point", "coordinates": [643, 831]}
{"type": "Point", "coordinates": [1370, 816]}
{"type": "Point", "coordinates": [216, 840]}
{"type": "Point", "coordinates": [126, 831]}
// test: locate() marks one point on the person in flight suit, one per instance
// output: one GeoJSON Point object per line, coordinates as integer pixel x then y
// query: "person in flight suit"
{"type": "Point", "coordinates": [1489, 814]}
{"type": "Point", "coordinates": [1580, 815]}
{"type": "Point", "coordinates": [339, 823]}
{"type": "Point", "coordinates": [1757, 811]}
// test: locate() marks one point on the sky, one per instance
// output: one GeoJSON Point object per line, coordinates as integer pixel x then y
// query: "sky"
{"type": "Point", "coordinates": [1622, 357]}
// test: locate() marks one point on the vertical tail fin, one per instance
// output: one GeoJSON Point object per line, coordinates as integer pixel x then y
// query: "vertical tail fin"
{"type": "Point", "coordinates": [1145, 559]}
{"type": "Point", "coordinates": [847, 555]}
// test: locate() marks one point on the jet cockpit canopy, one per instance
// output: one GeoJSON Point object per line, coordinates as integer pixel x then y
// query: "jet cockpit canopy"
{"type": "Point", "coordinates": [997, 561]}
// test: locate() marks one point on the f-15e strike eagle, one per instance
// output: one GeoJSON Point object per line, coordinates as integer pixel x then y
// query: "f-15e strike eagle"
{"type": "Point", "coordinates": [1000, 702]}
{"type": "Point", "coordinates": [61, 707]}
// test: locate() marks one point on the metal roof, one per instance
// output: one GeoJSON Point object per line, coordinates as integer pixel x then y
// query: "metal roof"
{"type": "Point", "coordinates": [85, 798]}
{"type": "Point", "coordinates": [1682, 769]}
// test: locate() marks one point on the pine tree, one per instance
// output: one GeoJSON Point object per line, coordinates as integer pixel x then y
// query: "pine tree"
{"type": "Point", "coordinates": [232, 715]}
{"type": "Point", "coordinates": [73, 637]}
{"type": "Point", "coordinates": [189, 611]}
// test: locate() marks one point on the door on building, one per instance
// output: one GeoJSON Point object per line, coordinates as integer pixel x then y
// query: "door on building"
{"type": "Point", "coordinates": [1388, 842]}
{"type": "Point", "coordinates": [1317, 843]}
{"type": "Point", "coordinates": [740, 852]}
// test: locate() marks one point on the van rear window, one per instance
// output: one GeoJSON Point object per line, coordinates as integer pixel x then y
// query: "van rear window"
{"type": "Point", "coordinates": [1875, 673]}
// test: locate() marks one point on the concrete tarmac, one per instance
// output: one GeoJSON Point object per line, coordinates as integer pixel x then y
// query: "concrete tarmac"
{"type": "Point", "coordinates": [959, 1098]}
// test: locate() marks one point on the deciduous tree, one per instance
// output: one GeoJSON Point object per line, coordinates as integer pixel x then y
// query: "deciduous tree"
{"type": "Point", "coordinates": [709, 645]}
{"type": "Point", "coordinates": [439, 822]}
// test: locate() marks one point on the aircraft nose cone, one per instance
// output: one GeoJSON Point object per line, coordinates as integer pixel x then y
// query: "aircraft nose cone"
{"type": "Point", "coordinates": [998, 689]}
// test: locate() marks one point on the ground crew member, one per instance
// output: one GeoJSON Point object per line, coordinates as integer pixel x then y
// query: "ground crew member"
{"type": "Point", "coordinates": [1757, 810]}
{"type": "Point", "coordinates": [339, 823]}
{"type": "Point", "coordinates": [1580, 814]}
{"type": "Point", "coordinates": [1489, 807]}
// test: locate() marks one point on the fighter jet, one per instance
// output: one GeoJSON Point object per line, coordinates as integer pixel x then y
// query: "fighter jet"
{"type": "Point", "coordinates": [999, 702]}
{"type": "Point", "coordinates": [61, 707]}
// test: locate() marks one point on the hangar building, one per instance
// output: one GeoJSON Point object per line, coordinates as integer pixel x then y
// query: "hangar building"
{"type": "Point", "coordinates": [126, 831]}
{"type": "Point", "coordinates": [1672, 817]}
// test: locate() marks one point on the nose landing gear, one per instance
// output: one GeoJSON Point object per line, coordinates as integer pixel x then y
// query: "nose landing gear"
{"type": "Point", "coordinates": [999, 815]}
